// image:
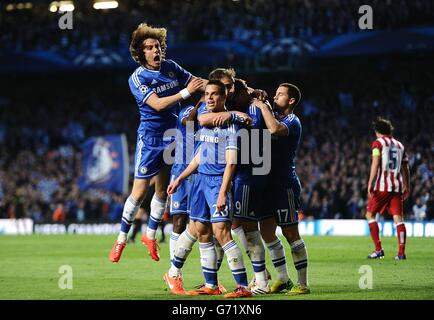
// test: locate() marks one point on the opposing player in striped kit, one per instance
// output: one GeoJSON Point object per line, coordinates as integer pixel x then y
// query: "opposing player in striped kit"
{"type": "Point", "coordinates": [388, 186]}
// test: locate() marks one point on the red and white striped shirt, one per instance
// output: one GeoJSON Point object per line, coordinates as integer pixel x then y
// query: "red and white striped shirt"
{"type": "Point", "coordinates": [389, 177]}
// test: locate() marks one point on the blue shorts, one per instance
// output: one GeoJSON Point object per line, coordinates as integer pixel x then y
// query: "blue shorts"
{"type": "Point", "coordinates": [284, 202]}
{"type": "Point", "coordinates": [203, 200]}
{"type": "Point", "coordinates": [248, 200]}
{"type": "Point", "coordinates": [179, 199]}
{"type": "Point", "coordinates": [149, 156]}
{"type": "Point", "coordinates": [191, 179]}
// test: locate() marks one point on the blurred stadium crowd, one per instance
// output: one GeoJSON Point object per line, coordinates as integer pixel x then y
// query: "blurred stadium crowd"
{"type": "Point", "coordinates": [335, 159]}
{"type": "Point", "coordinates": [40, 148]}
{"type": "Point", "coordinates": [248, 21]}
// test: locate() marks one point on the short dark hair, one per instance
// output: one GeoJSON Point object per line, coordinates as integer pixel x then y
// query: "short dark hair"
{"type": "Point", "coordinates": [293, 92]}
{"type": "Point", "coordinates": [219, 73]}
{"type": "Point", "coordinates": [219, 84]}
{"type": "Point", "coordinates": [382, 126]}
{"type": "Point", "coordinates": [240, 84]}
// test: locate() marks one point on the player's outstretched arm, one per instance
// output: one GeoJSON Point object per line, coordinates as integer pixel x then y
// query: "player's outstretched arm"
{"type": "Point", "coordinates": [228, 175]}
{"type": "Point", "coordinates": [217, 119]}
{"type": "Point", "coordinates": [161, 104]}
{"type": "Point", "coordinates": [273, 125]}
{"type": "Point", "coordinates": [214, 119]}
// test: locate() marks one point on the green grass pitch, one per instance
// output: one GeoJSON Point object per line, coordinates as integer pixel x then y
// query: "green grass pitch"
{"type": "Point", "coordinates": [29, 269]}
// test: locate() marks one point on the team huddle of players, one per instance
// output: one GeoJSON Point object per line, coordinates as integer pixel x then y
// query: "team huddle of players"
{"type": "Point", "coordinates": [224, 193]}
{"type": "Point", "coordinates": [215, 184]}
{"type": "Point", "coordinates": [212, 189]}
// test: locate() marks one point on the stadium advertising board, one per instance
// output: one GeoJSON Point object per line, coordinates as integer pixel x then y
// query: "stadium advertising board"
{"type": "Point", "coordinates": [311, 227]}
{"type": "Point", "coordinates": [16, 226]}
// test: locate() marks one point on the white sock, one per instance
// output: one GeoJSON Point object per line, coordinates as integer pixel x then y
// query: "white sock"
{"type": "Point", "coordinates": [131, 207]}
{"type": "Point", "coordinates": [182, 250]}
{"type": "Point", "coordinates": [220, 253]}
{"type": "Point", "coordinates": [257, 256]}
{"type": "Point", "coordinates": [172, 244]}
{"type": "Point", "coordinates": [299, 255]}
{"type": "Point", "coordinates": [239, 232]}
{"type": "Point", "coordinates": [122, 237]}
{"type": "Point", "coordinates": [157, 209]}
{"type": "Point", "coordinates": [235, 261]}
{"type": "Point", "coordinates": [277, 254]}
{"type": "Point", "coordinates": [208, 261]}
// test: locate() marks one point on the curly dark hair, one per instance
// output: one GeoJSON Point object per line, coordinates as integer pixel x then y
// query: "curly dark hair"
{"type": "Point", "coordinates": [142, 33]}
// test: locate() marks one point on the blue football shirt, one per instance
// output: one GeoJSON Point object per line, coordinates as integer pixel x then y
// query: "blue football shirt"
{"type": "Point", "coordinates": [284, 150]}
{"type": "Point", "coordinates": [184, 141]}
{"type": "Point", "coordinates": [244, 170]}
{"type": "Point", "coordinates": [213, 145]}
{"type": "Point", "coordinates": [167, 81]}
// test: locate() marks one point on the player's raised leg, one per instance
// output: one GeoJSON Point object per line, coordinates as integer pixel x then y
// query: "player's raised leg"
{"type": "Point", "coordinates": [137, 224]}
{"type": "Point", "coordinates": [143, 210]}
{"type": "Point", "coordinates": [131, 206]}
{"type": "Point", "coordinates": [158, 204]}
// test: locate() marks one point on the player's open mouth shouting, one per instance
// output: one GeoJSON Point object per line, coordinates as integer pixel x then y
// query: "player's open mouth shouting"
{"type": "Point", "coordinates": [157, 61]}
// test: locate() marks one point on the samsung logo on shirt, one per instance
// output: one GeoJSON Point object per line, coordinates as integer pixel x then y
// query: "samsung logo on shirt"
{"type": "Point", "coordinates": [166, 86]}
{"type": "Point", "coordinates": [205, 138]}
